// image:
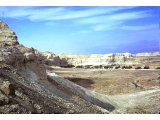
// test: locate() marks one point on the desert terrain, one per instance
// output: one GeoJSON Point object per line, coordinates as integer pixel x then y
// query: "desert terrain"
{"type": "Point", "coordinates": [112, 82]}
{"type": "Point", "coordinates": [136, 89]}
{"type": "Point", "coordinates": [34, 82]}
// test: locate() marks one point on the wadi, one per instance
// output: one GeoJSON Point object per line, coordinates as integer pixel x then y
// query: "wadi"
{"type": "Point", "coordinates": [45, 83]}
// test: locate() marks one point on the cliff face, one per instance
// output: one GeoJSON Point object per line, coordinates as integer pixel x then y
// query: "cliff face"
{"type": "Point", "coordinates": [126, 59]}
{"type": "Point", "coordinates": [7, 36]}
{"type": "Point", "coordinates": [148, 54]}
{"type": "Point", "coordinates": [95, 59]}
{"type": "Point", "coordinates": [53, 60]}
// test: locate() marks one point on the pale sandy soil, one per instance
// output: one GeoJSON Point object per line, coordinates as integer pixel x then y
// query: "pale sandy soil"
{"type": "Point", "coordinates": [112, 82]}
{"type": "Point", "coordinates": [134, 91]}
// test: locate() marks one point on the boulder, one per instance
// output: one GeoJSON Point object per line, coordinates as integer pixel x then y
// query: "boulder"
{"type": "Point", "coordinates": [7, 88]}
{"type": "Point", "coordinates": [48, 55]}
{"type": "Point", "coordinates": [29, 56]}
{"type": "Point", "coordinates": [3, 98]}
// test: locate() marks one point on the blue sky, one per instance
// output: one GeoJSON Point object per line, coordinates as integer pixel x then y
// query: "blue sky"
{"type": "Point", "coordinates": [86, 30]}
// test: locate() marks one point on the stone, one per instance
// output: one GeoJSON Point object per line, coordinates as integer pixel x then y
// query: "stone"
{"type": "Point", "coordinates": [3, 98]}
{"type": "Point", "coordinates": [29, 56]}
{"type": "Point", "coordinates": [7, 88]}
{"type": "Point", "coordinates": [48, 55]}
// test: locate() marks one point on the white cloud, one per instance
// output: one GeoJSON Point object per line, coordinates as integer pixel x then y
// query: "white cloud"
{"type": "Point", "coordinates": [57, 13]}
{"type": "Point", "coordinates": [130, 15]}
{"type": "Point", "coordinates": [114, 17]}
{"type": "Point", "coordinates": [114, 21]}
{"type": "Point", "coordinates": [93, 11]}
{"type": "Point", "coordinates": [93, 18]}
{"type": "Point", "coordinates": [136, 28]}
{"type": "Point", "coordinates": [107, 26]}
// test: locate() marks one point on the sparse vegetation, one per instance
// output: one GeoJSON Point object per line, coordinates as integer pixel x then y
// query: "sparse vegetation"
{"type": "Point", "coordinates": [123, 67]}
{"type": "Point", "coordinates": [157, 67]}
{"type": "Point", "coordinates": [128, 67]}
{"type": "Point", "coordinates": [138, 67]}
{"type": "Point", "coordinates": [105, 67]}
{"type": "Point", "coordinates": [87, 66]}
{"type": "Point", "coordinates": [146, 67]}
{"type": "Point", "coordinates": [98, 66]}
{"type": "Point", "coordinates": [79, 66]}
{"type": "Point", "coordinates": [117, 67]}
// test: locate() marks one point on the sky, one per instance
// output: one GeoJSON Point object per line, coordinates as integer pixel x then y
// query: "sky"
{"type": "Point", "coordinates": [86, 30]}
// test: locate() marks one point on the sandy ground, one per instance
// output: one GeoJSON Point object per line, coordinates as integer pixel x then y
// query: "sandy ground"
{"type": "Point", "coordinates": [112, 82]}
{"type": "Point", "coordinates": [131, 91]}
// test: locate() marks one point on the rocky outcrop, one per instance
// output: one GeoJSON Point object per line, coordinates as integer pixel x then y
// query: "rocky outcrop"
{"type": "Point", "coordinates": [25, 86]}
{"type": "Point", "coordinates": [7, 36]}
{"type": "Point", "coordinates": [148, 54]}
{"type": "Point", "coordinates": [54, 60]}
{"type": "Point", "coordinates": [7, 88]}
{"type": "Point", "coordinates": [97, 59]}
{"type": "Point", "coordinates": [48, 55]}
{"type": "Point", "coordinates": [117, 60]}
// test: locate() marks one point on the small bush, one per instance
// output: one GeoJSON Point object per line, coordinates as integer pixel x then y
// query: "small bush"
{"type": "Point", "coordinates": [110, 66]}
{"type": "Point", "coordinates": [146, 67]}
{"type": "Point", "coordinates": [100, 66]}
{"type": "Point", "coordinates": [123, 67]}
{"type": "Point", "coordinates": [86, 66]}
{"type": "Point", "coordinates": [117, 67]}
{"type": "Point", "coordinates": [138, 67]}
{"type": "Point", "coordinates": [79, 66]}
{"type": "Point", "coordinates": [106, 67]}
{"type": "Point", "coordinates": [128, 67]}
{"type": "Point", "coordinates": [157, 67]}
{"type": "Point", "coordinates": [97, 66]}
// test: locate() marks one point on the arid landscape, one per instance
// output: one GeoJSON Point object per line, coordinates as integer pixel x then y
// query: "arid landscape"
{"type": "Point", "coordinates": [42, 82]}
{"type": "Point", "coordinates": [112, 82]}
{"type": "Point", "coordinates": [120, 83]}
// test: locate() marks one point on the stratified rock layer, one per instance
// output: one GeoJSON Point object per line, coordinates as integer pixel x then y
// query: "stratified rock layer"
{"type": "Point", "coordinates": [7, 36]}
{"type": "Point", "coordinates": [122, 59]}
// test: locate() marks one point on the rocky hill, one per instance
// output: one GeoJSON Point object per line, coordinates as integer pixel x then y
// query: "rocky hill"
{"type": "Point", "coordinates": [25, 86]}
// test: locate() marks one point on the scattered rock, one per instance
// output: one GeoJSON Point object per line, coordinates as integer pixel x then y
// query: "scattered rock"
{"type": "Point", "coordinates": [29, 56]}
{"type": "Point", "coordinates": [7, 88]}
{"type": "Point", "coordinates": [3, 98]}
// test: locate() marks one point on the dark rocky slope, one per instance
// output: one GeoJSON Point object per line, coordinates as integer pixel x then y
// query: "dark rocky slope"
{"type": "Point", "coordinates": [24, 86]}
